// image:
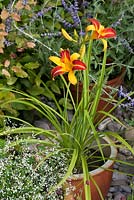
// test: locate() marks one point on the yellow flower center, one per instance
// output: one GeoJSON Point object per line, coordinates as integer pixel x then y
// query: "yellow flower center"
{"type": "Point", "coordinates": [100, 31]}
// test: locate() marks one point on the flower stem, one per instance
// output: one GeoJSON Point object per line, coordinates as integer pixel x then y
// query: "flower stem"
{"type": "Point", "coordinates": [99, 86]}
{"type": "Point", "coordinates": [86, 178]}
{"type": "Point", "coordinates": [86, 81]}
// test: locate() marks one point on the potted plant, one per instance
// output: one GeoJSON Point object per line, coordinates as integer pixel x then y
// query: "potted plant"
{"type": "Point", "coordinates": [79, 138]}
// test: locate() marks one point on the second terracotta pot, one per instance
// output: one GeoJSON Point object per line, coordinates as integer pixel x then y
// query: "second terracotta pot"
{"type": "Point", "coordinates": [104, 105]}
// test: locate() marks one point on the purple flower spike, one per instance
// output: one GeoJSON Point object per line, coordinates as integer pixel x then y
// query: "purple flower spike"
{"type": "Point", "coordinates": [130, 100]}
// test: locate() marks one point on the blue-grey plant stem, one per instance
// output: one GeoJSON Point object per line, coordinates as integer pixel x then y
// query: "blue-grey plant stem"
{"type": "Point", "coordinates": [34, 39]}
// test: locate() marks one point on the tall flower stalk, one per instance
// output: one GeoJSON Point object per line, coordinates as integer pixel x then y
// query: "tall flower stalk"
{"type": "Point", "coordinates": [82, 112]}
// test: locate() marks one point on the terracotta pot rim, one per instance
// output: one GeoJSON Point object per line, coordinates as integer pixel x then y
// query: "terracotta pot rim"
{"type": "Point", "coordinates": [103, 167]}
{"type": "Point", "coordinates": [119, 76]}
{"type": "Point", "coordinates": [113, 81]}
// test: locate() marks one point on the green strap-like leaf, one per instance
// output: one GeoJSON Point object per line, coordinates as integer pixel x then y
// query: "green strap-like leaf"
{"type": "Point", "coordinates": [86, 178]}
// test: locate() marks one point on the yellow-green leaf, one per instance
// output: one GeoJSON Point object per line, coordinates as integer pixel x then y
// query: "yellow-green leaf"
{"type": "Point", "coordinates": [19, 72]}
{"type": "Point", "coordinates": [31, 65]}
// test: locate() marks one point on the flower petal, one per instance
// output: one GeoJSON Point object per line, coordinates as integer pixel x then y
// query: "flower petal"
{"type": "Point", "coordinates": [82, 50]}
{"type": "Point", "coordinates": [55, 59]}
{"type": "Point", "coordinates": [95, 23]}
{"type": "Point", "coordinates": [95, 35]}
{"type": "Point", "coordinates": [105, 44]}
{"type": "Point", "coordinates": [108, 33]}
{"type": "Point", "coordinates": [57, 71]}
{"type": "Point", "coordinates": [90, 28]}
{"type": "Point", "coordinates": [74, 56]}
{"type": "Point", "coordinates": [78, 65]}
{"type": "Point", "coordinates": [67, 36]}
{"type": "Point", "coordinates": [65, 56]}
{"type": "Point", "coordinates": [72, 78]}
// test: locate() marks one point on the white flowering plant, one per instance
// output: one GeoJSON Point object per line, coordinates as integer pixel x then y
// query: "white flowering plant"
{"type": "Point", "coordinates": [25, 175]}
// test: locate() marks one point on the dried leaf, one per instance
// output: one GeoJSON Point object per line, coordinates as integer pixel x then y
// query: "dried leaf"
{"type": "Point", "coordinates": [27, 7]}
{"type": "Point", "coordinates": [19, 72]}
{"type": "Point", "coordinates": [16, 17]}
{"type": "Point", "coordinates": [1, 50]}
{"type": "Point", "coordinates": [4, 14]}
{"type": "Point", "coordinates": [6, 63]}
{"type": "Point", "coordinates": [2, 39]}
{"type": "Point", "coordinates": [6, 73]}
{"type": "Point", "coordinates": [13, 55]}
{"type": "Point", "coordinates": [20, 49]}
{"type": "Point", "coordinates": [2, 34]}
{"type": "Point", "coordinates": [30, 44]}
{"type": "Point", "coordinates": [2, 26]}
{"type": "Point", "coordinates": [19, 5]}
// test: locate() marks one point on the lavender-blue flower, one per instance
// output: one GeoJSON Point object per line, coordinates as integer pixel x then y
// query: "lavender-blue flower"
{"type": "Point", "coordinates": [8, 24]}
{"type": "Point", "coordinates": [50, 34]}
{"type": "Point", "coordinates": [65, 23]}
{"type": "Point", "coordinates": [8, 43]}
{"type": "Point", "coordinates": [122, 94]}
{"type": "Point", "coordinates": [24, 2]}
{"type": "Point", "coordinates": [73, 10]}
{"type": "Point", "coordinates": [40, 14]}
{"type": "Point", "coordinates": [118, 22]}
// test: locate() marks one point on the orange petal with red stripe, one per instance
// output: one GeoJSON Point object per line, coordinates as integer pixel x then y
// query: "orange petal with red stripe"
{"type": "Point", "coordinates": [57, 71]}
{"type": "Point", "coordinates": [65, 55]}
{"type": "Point", "coordinates": [95, 22]}
{"type": "Point", "coordinates": [78, 65]}
{"type": "Point", "coordinates": [108, 33]}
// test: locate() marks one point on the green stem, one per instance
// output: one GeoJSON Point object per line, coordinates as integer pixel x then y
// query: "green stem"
{"type": "Point", "coordinates": [69, 92]}
{"type": "Point", "coordinates": [87, 60]}
{"type": "Point", "coordinates": [99, 87]}
{"type": "Point", "coordinates": [86, 178]}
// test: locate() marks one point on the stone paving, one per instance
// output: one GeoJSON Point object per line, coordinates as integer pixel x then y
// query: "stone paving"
{"type": "Point", "coordinates": [122, 186]}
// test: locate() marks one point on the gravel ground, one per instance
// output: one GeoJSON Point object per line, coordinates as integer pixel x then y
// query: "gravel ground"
{"type": "Point", "coordinates": [122, 186]}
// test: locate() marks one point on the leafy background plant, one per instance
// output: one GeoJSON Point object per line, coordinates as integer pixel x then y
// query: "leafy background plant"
{"type": "Point", "coordinates": [33, 33]}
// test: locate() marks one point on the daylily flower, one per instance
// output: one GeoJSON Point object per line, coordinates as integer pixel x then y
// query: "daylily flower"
{"type": "Point", "coordinates": [67, 63]}
{"type": "Point", "coordinates": [99, 32]}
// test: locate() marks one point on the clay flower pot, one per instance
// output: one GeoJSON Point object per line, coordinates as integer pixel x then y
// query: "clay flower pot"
{"type": "Point", "coordinates": [104, 105]}
{"type": "Point", "coordinates": [102, 177]}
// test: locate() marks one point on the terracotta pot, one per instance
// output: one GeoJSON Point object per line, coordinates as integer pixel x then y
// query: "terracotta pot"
{"type": "Point", "coordinates": [103, 104]}
{"type": "Point", "coordinates": [102, 177]}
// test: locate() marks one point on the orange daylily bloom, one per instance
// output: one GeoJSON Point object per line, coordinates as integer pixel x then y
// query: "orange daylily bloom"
{"type": "Point", "coordinates": [99, 32]}
{"type": "Point", "coordinates": [67, 63]}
